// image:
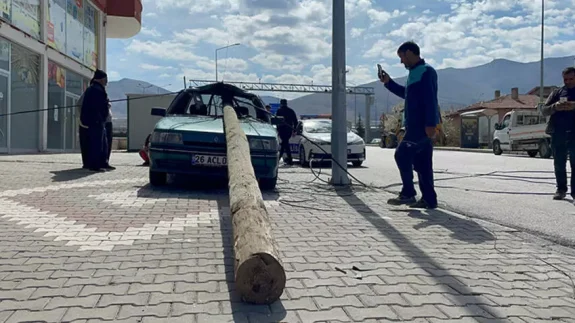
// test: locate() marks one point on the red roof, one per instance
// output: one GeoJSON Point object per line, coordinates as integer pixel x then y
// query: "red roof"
{"type": "Point", "coordinates": [524, 101]}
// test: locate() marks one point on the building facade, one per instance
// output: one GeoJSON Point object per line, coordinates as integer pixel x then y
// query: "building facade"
{"type": "Point", "coordinates": [48, 52]}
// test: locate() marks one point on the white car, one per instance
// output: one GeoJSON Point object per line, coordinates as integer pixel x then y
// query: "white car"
{"type": "Point", "coordinates": [311, 134]}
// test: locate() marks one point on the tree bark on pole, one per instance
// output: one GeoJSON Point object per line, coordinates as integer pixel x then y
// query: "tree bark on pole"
{"type": "Point", "coordinates": [259, 275]}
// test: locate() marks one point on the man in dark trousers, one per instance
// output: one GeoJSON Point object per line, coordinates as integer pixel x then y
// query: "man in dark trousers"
{"type": "Point", "coordinates": [93, 116]}
{"type": "Point", "coordinates": [286, 129]}
{"type": "Point", "coordinates": [421, 116]}
{"type": "Point", "coordinates": [560, 105]}
{"type": "Point", "coordinates": [109, 136]}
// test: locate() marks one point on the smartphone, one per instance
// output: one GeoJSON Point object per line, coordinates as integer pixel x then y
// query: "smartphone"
{"type": "Point", "coordinates": [379, 70]}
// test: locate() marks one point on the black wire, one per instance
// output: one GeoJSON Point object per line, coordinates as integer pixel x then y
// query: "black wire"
{"type": "Point", "coordinates": [76, 105]}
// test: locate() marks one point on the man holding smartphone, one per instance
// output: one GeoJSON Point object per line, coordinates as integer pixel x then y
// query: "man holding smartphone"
{"type": "Point", "coordinates": [421, 116]}
{"type": "Point", "coordinates": [560, 105]}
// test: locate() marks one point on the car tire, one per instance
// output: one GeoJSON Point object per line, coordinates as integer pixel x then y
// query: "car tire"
{"type": "Point", "coordinates": [268, 184]}
{"type": "Point", "coordinates": [545, 149]}
{"type": "Point", "coordinates": [357, 163]}
{"type": "Point", "coordinates": [302, 158]}
{"type": "Point", "coordinates": [532, 153]}
{"type": "Point", "coordinates": [158, 178]}
{"type": "Point", "coordinates": [497, 148]}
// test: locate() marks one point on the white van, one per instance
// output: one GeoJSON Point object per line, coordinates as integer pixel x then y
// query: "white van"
{"type": "Point", "coordinates": [522, 130]}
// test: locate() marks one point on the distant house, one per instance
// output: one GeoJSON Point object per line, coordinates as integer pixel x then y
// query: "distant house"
{"type": "Point", "coordinates": [491, 112]}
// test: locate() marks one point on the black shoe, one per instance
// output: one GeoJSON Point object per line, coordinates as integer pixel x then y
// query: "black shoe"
{"type": "Point", "coordinates": [401, 200]}
{"type": "Point", "coordinates": [108, 167]}
{"type": "Point", "coordinates": [559, 195]}
{"type": "Point", "coordinates": [421, 204]}
{"type": "Point", "coordinates": [98, 170]}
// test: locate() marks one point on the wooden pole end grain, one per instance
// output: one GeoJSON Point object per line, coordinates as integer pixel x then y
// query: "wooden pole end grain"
{"type": "Point", "coordinates": [259, 274]}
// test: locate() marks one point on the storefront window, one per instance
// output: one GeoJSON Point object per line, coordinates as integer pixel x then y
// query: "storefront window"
{"type": "Point", "coordinates": [26, 16]}
{"type": "Point", "coordinates": [56, 100]}
{"type": "Point", "coordinates": [25, 76]}
{"type": "Point", "coordinates": [71, 29]}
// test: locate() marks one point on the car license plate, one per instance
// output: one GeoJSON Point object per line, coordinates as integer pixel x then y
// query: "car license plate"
{"type": "Point", "coordinates": [207, 160]}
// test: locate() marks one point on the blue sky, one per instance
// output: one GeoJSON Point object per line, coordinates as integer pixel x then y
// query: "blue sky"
{"type": "Point", "coordinates": [289, 41]}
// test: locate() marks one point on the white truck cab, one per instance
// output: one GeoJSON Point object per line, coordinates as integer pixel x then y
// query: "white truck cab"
{"type": "Point", "coordinates": [522, 130]}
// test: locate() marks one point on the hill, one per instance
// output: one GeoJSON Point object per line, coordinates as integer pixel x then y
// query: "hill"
{"type": "Point", "coordinates": [457, 87]}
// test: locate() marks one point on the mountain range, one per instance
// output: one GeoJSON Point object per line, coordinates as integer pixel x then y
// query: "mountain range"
{"type": "Point", "coordinates": [458, 87]}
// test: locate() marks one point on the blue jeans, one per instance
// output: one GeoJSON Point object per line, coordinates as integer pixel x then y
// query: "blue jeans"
{"type": "Point", "coordinates": [417, 156]}
{"type": "Point", "coordinates": [563, 145]}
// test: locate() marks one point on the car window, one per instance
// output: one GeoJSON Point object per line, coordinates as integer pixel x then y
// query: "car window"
{"type": "Point", "coordinates": [319, 126]}
{"type": "Point", "coordinates": [506, 121]}
{"type": "Point", "coordinates": [180, 103]}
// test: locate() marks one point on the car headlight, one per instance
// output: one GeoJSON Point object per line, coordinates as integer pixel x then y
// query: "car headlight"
{"type": "Point", "coordinates": [263, 144]}
{"type": "Point", "coordinates": [166, 138]}
{"type": "Point", "coordinates": [320, 142]}
{"type": "Point", "coordinates": [357, 141]}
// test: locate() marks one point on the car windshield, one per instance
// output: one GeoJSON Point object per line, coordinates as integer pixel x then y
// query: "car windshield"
{"type": "Point", "coordinates": [206, 104]}
{"type": "Point", "coordinates": [318, 126]}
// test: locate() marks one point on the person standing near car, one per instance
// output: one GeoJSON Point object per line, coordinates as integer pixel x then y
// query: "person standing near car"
{"type": "Point", "coordinates": [560, 106]}
{"type": "Point", "coordinates": [286, 129]}
{"type": "Point", "coordinates": [421, 117]}
{"type": "Point", "coordinates": [93, 116]}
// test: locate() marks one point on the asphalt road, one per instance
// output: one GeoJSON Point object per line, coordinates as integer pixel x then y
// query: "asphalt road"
{"type": "Point", "coordinates": [512, 190]}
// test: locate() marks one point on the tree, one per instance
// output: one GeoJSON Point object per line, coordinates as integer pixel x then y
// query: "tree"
{"type": "Point", "coordinates": [359, 128]}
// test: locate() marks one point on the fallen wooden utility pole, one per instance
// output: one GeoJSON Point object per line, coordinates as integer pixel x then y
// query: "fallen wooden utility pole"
{"type": "Point", "coordinates": [259, 275]}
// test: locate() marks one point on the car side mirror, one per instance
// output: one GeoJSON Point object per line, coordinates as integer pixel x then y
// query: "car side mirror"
{"type": "Point", "coordinates": [496, 126]}
{"type": "Point", "coordinates": [160, 112]}
{"type": "Point", "coordinates": [277, 120]}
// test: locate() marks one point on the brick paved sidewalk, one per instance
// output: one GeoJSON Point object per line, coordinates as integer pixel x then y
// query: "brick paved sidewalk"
{"type": "Point", "coordinates": [107, 247]}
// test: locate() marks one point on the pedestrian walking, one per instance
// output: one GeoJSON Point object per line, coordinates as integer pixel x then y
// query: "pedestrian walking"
{"type": "Point", "coordinates": [286, 129]}
{"type": "Point", "coordinates": [93, 115]}
{"type": "Point", "coordinates": [82, 132]}
{"type": "Point", "coordinates": [560, 106]}
{"type": "Point", "coordinates": [109, 137]}
{"type": "Point", "coordinates": [421, 116]}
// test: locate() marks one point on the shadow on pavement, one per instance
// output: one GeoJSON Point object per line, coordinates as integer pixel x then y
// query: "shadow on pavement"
{"type": "Point", "coordinates": [184, 187]}
{"type": "Point", "coordinates": [70, 174]}
{"type": "Point", "coordinates": [461, 229]}
{"type": "Point", "coordinates": [466, 294]}
{"type": "Point", "coordinates": [241, 311]}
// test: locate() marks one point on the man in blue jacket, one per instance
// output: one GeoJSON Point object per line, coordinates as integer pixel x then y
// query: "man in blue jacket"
{"type": "Point", "coordinates": [421, 117]}
{"type": "Point", "coordinates": [93, 117]}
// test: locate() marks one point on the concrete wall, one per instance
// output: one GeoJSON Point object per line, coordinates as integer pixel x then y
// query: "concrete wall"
{"type": "Point", "coordinates": [140, 121]}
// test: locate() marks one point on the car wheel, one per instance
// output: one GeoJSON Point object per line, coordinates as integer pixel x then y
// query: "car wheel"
{"type": "Point", "coordinates": [158, 178]}
{"type": "Point", "coordinates": [357, 163]}
{"type": "Point", "coordinates": [545, 149]}
{"type": "Point", "coordinates": [532, 153]}
{"type": "Point", "coordinates": [268, 184]}
{"type": "Point", "coordinates": [497, 148]}
{"type": "Point", "coordinates": [302, 159]}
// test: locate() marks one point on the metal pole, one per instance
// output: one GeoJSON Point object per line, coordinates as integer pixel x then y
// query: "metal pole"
{"type": "Point", "coordinates": [367, 136]}
{"type": "Point", "coordinates": [542, 50]}
{"type": "Point", "coordinates": [216, 65]}
{"type": "Point", "coordinates": [339, 128]}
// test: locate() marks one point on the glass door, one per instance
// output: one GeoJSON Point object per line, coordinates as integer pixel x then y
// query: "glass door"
{"type": "Point", "coordinates": [70, 124]}
{"type": "Point", "coordinates": [4, 104]}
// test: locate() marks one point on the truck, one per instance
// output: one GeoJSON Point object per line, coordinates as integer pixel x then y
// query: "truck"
{"type": "Point", "coordinates": [522, 130]}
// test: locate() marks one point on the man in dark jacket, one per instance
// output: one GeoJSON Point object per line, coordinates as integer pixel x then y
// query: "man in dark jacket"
{"type": "Point", "coordinates": [93, 116]}
{"type": "Point", "coordinates": [286, 129]}
{"type": "Point", "coordinates": [421, 117]}
{"type": "Point", "coordinates": [560, 105]}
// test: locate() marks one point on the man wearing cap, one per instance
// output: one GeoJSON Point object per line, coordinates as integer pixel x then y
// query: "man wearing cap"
{"type": "Point", "coordinates": [286, 129]}
{"type": "Point", "coordinates": [93, 116]}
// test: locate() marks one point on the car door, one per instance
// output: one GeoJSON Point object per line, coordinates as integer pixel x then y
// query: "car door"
{"type": "Point", "coordinates": [294, 141]}
{"type": "Point", "coordinates": [504, 133]}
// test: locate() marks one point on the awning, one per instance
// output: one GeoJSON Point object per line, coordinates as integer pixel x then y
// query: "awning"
{"type": "Point", "coordinates": [480, 113]}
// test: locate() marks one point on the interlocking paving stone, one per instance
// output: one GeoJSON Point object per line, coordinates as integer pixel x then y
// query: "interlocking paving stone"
{"type": "Point", "coordinates": [88, 247]}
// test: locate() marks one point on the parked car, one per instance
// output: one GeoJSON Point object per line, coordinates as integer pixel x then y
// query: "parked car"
{"type": "Point", "coordinates": [311, 134]}
{"type": "Point", "coordinates": [190, 138]}
{"type": "Point", "coordinates": [522, 130]}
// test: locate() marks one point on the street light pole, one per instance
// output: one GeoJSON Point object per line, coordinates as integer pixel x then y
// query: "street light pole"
{"type": "Point", "coordinates": [542, 51]}
{"type": "Point", "coordinates": [338, 94]}
{"type": "Point", "coordinates": [218, 49]}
